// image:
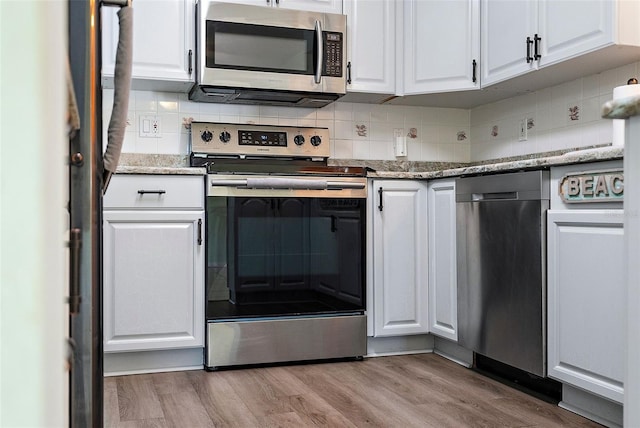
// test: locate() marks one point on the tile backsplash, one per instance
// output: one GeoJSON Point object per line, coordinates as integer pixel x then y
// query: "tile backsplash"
{"type": "Point", "coordinates": [558, 117]}
{"type": "Point", "coordinates": [358, 131]}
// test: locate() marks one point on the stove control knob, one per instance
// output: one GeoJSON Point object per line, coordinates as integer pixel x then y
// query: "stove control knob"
{"type": "Point", "coordinates": [298, 139]}
{"type": "Point", "coordinates": [316, 140]}
{"type": "Point", "coordinates": [225, 137]}
{"type": "Point", "coordinates": [206, 136]}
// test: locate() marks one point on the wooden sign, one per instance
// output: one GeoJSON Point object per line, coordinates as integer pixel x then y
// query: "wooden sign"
{"type": "Point", "coordinates": [594, 186]}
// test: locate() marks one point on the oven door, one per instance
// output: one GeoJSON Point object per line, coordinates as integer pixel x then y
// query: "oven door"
{"type": "Point", "coordinates": [285, 251]}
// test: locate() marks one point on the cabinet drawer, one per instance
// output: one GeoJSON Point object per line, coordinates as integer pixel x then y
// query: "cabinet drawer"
{"type": "Point", "coordinates": [155, 191]}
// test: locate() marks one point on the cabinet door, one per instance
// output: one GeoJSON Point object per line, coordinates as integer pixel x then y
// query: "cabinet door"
{"type": "Point", "coordinates": [587, 300]}
{"type": "Point", "coordinates": [163, 44]}
{"type": "Point", "coordinates": [400, 257]}
{"type": "Point", "coordinates": [153, 280]}
{"type": "Point", "coordinates": [571, 28]}
{"type": "Point", "coordinates": [441, 42]}
{"type": "Point", "coordinates": [505, 25]}
{"type": "Point", "coordinates": [326, 6]}
{"type": "Point", "coordinates": [443, 292]}
{"type": "Point", "coordinates": [371, 46]}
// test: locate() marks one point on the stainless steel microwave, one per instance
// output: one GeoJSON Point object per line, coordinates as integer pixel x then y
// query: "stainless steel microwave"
{"type": "Point", "coordinates": [266, 55]}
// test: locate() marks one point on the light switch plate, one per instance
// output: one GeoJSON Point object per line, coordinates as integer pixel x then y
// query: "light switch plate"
{"type": "Point", "coordinates": [399, 143]}
{"type": "Point", "coordinates": [522, 134]}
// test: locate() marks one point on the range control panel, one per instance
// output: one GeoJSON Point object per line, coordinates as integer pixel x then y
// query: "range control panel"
{"type": "Point", "coordinates": [261, 140]}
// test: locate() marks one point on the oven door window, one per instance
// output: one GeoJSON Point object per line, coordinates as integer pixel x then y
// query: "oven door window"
{"type": "Point", "coordinates": [285, 256]}
{"type": "Point", "coordinates": [259, 48]}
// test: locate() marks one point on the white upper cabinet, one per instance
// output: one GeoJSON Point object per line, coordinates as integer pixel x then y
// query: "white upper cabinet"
{"type": "Point", "coordinates": [521, 36]}
{"type": "Point", "coordinates": [371, 46]}
{"type": "Point", "coordinates": [328, 6]}
{"type": "Point", "coordinates": [568, 29]}
{"type": "Point", "coordinates": [441, 45]}
{"type": "Point", "coordinates": [163, 44]}
{"type": "Point", "coordinates": [506, 24]}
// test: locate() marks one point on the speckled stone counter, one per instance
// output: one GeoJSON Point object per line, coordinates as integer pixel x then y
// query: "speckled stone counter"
{"type": "Point", "coordinates": [140, 163]}
{"type": "Point", "coordinates": [529, 162]}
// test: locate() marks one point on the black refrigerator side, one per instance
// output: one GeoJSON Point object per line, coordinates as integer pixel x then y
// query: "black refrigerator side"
{"type": "Point", "coordinates": [85, 209]}
{"type": "Point", "coordinates": [89, 174]}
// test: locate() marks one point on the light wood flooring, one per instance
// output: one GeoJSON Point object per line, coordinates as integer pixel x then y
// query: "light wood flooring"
{"type": "Point", "coordinates": [423, 390]}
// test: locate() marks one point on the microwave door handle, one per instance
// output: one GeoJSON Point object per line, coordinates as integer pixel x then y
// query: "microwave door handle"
{"type": "Point", "coordinates": [319, 53]}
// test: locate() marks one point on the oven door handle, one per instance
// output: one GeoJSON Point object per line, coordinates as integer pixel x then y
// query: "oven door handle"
{"type": "Point", "coordinates": [285, 184]}
{"type": "Point", "coordinates": [337, 185]}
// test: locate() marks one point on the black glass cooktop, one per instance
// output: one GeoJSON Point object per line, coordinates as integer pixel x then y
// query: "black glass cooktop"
{"type": "Point", "coordinates": [273, 166]}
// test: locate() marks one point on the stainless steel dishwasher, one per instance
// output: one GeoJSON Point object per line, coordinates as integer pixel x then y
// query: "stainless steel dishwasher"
{"type": "Point", "coordinates": [500, 228]}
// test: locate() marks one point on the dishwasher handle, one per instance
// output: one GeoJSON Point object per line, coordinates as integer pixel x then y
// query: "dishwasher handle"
{"type": "Point", "coordinates": [494, 196]}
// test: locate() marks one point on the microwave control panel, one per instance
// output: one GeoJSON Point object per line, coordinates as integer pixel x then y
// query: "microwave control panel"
{"type": "Point", "coordinates": [333, 50]}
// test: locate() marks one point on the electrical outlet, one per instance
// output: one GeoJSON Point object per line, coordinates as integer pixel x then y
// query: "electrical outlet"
{"type": "Point", "coordinates": [522, 134]}
{"type": "Point", "coordinates": [149, 127]}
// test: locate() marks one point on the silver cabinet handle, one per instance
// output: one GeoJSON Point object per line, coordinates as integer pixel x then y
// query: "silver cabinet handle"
{"type": "Point", "coordinates": [157, 192]}
{"type": "Point", "coordinates": [319, 52]}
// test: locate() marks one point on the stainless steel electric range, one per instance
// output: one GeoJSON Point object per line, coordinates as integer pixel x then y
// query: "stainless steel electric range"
{"type": "Point", "coordinates": [285, 246]}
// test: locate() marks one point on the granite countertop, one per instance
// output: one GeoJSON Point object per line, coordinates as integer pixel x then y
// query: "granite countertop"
{"type": "Point", "coordinates": [140, 163]}
{"type": "Point", "coordinates": [595, 154]}
{"type": "Point", "coordinates": [136, 163]}
{"type": "Point", "coordinates": [160, 170]}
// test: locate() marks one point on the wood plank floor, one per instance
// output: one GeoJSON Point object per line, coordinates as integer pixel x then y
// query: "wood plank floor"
{"type": "Point", "coordinates": [423, 390]}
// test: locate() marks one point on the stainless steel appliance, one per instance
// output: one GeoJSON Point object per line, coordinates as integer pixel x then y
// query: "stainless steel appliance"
{"type": "Point", "coordinates": [501, 267]}
{"type": "Point", "coordinates": [89, 173]}
{"type": "Point", "coordinates": [261, 55]}
{"type": "Point", "coordinates": [285, 243]}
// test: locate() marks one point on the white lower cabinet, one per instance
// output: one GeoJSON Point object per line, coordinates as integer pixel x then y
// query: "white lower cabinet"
{"type": "Point", "coordinates": [443, 292]}
{"type": "Point", "coordinates": [399, 253]}
{"type": "Point", "coordinates": [587, 300]}
{"type": "Point", "coordinates": [153, 257]}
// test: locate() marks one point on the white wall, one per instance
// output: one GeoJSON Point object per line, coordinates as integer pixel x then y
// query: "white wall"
{"type": "Point", "coordinates": [33, 379]}
{"type": "Point", "coordinates": [555, 126]}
